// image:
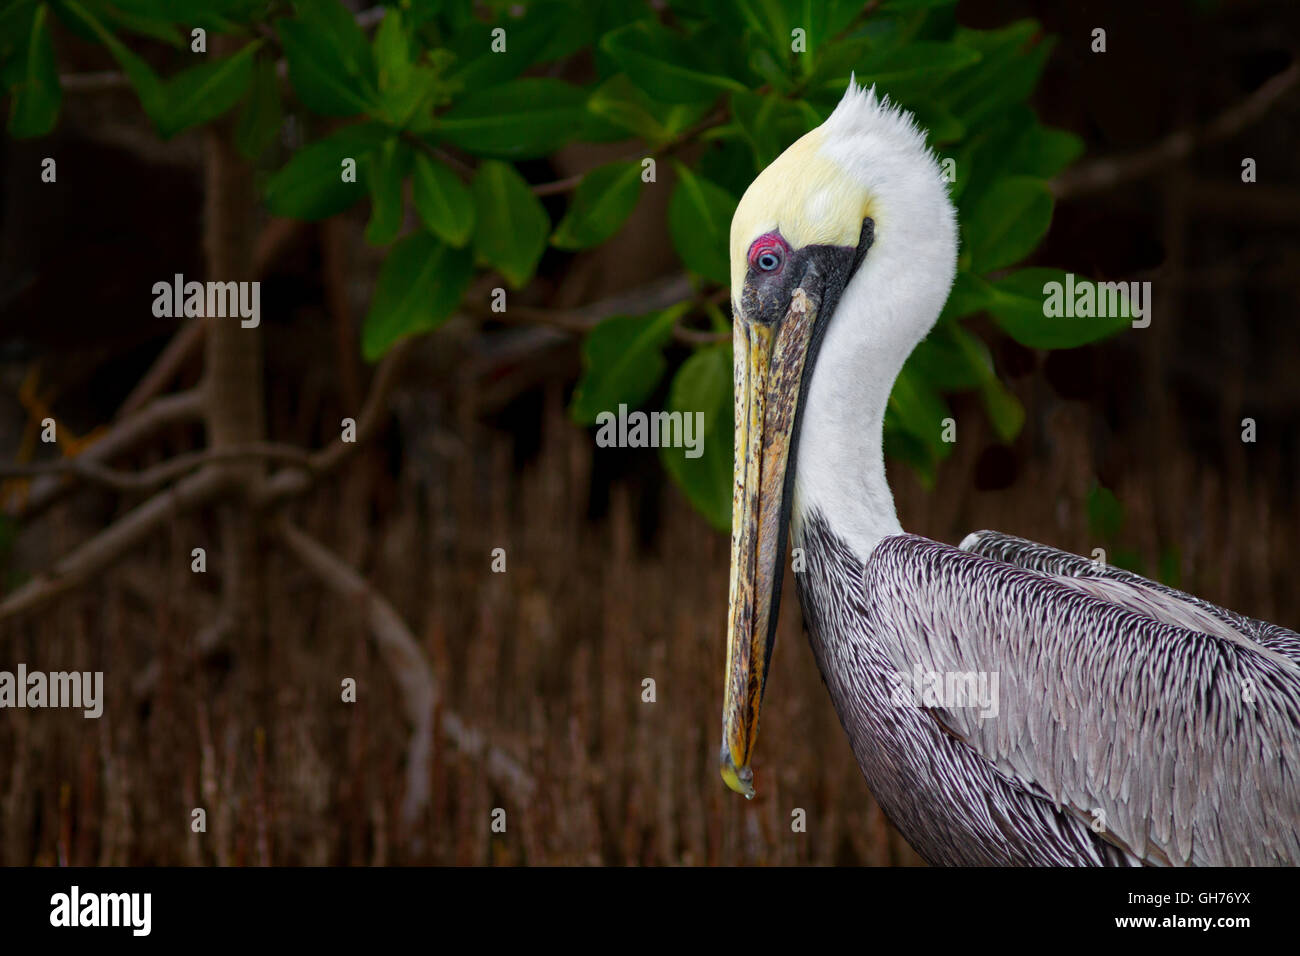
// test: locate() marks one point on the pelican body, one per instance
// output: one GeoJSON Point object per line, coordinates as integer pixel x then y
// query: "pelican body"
{"type": "Point", "coordinates": [1130, 724]}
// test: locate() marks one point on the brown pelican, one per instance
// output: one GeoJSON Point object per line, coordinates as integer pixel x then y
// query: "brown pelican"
{"type": "Point", "coordinates": [1131, 723]}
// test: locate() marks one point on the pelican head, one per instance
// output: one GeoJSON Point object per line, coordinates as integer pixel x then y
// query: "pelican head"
{"type": "Point", "coordinates": [842, 254]}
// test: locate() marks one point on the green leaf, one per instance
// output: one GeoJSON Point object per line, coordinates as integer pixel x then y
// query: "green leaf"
{"type": "Point", "coordinates": [711, 47]}
{"type": "Point", "coordinates": [774, 72]}
{"type": "Point", "coordinates": [262, 116]}
{"type": "Point", "coordinates": [568, 32]}
{"type": "Point", "coordinates": [623, 361]}
{"type": "Point", "coordinates": [1005, 223]}
{"type": "Point", "coordinates": [902, 445]}
{"type": "Point", "coordinates": [969, 294]}
{"type": "Point", "coordinates": [337, 27]}
{"type": "Point", "coordinates": [37, 96]}
{"type": "Point", "coordinates": [1013, 58]}
{"type": "Point", "coordinates": [926, 61]}
{"type": "Point", "coordinates": [420, 284]}
{"type": "Point", "coordinates": [405, 87]}
{"type": "Point", "coordinates": [664, 64]}
{"type": "Point", "coordinates": [618, 100]}
{"type": "Point", "coordinates": [392, 50]}
{"type": "Point", "coordinates": [839, 61]}
{"type": "Point", "coordinates": [170, 11]}
{"type": "Point", "coordinates": [1170, 568]}
{"type": "Point", "coordinates": [699, 220]}
{"type": "Point", "coordinates": [215, 16]}
{"type": "Point", "coordinates": [771, 123]}
{"type": "Point", "coordinates": [386, 169]}
{"type": "Point", "coordinates": [15, 36]}
{"type": "Point", "coordinates": [703, 385]}
{"type": "Point", "coordinates": [146, 83]}
{"type": "Point", "coordinates": [771, 23]}
{"type": "Point", "coordinates": [728, 163]}
{"type": "Point", "coordinates": [1105, 513]}
{"type": "Point", "coordinates": [145, 19]}
{"type": "Point", "coordinates": [330, 62]}
{"type": "Point", "coordinates": [907, 6]}
{"type": "Point", "coordinates": [621, 103]}
{"type": "Point", "coordinates": [202, 93]}
{"type": "Point", "coordinates": [952, 359]}
{"type": "Point", "coordinates": [311, 185]}
{"type": "Point", "coordinates": [410, 105]}
{"type": "Point", "coordinates": [1042, 151]}
{"type": "Point", "coordinates": [512, 225]}
{"type": "Point", "coordinates": [444, 203]}
{"type": "Point", "coordinates": [1003, 409]}
{"type": "Point", "coordinates": [1129, 560]}
{"type": "Point", "coordinates": [939, 124]}
{"type": "Point", "coordinates": [518, 119]}
{"type": "Point", "coordinates": [527, 38]}
{"type": "Point", "coordinates": [982, 156]}
{"type": "Point", "coordinates": [602, 202]}
{"type": "Point", "coordinates": [1012, 142]}
{"type": "Point", "coordinates": [824, 20]}
{"type": "Point", "coordinates": [1021, 303]}
{"type": "Point", "coordinates": [918, 409]}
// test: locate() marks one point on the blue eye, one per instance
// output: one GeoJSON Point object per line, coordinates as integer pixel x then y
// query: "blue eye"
{"type": "Point", "coordinates": [768, 261]}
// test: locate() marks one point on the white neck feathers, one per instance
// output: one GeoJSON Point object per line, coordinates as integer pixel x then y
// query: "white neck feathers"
{"type": "Point", "coordinates": [887, 308]}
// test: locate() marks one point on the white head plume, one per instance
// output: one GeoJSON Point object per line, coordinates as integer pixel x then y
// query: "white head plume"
{"type": "Point", "coordinates": [869, 159]}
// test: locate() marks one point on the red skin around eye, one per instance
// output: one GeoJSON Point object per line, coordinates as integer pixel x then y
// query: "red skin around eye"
{"type": "Point", "coordinates": [770, 242]}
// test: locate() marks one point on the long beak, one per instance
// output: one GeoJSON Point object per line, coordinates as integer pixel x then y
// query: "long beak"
{"type": "Point", "coordinates": [769, 370]}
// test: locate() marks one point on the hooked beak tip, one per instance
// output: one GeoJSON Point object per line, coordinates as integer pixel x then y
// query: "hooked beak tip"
{"type": "Point", "coordinates": [739, 779]}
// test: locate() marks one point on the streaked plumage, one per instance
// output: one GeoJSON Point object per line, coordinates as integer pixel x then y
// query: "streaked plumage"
{"type": "Point", "coordinates": [1135, 724]}
{"type": "Point", "coordinates": [1101, 708]}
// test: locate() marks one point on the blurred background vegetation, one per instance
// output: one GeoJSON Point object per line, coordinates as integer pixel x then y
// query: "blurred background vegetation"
{"type": "Point", "coordinates": [580, 162]}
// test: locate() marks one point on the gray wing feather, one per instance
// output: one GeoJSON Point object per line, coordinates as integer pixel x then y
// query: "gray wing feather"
{"type": "Point", "coordinates": [1162, 601]}
{"type": "Point", "coordinates": [1187, 742]}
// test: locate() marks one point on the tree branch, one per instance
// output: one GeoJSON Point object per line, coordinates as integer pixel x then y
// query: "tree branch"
{"type": "Point", "coordinates": [106, 547]}
{"type": "Point", "coordinates": [569, 183]}
{"type": "Point", "coordinates": [199, 488]}
{"type": "Point", "coordinates": [161, 474]}
{"type": "Point", "coordinates": [170, 410]}
{"type": "Point", "coordinates": [658, 294]}
{"type": "Point", "coordinates": [271, 241]}
{"type": "Point", "coordinates": [175, 354]}
{"type": "Point", "coordinates": [291, 481]}
{"type": "Point", "coordinates": [1101, 174]}
{"type": "Point", "coordinates": [412, 673]}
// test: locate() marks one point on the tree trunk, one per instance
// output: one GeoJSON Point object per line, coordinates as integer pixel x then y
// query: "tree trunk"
{"type": "Point", "coordinates": [234, 400]}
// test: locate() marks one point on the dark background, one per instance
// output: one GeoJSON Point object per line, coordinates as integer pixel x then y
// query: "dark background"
{"type": "Point", "coordinates": [612, 578]}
